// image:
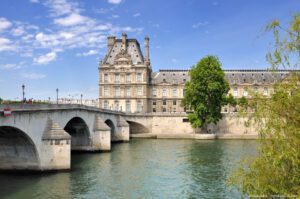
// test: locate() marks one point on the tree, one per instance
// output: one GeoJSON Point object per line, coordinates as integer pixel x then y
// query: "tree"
{"type": "Point", "coordinates": [1, 100]}
{"type": "Point", "coordinates": [276, 169]}
{"type": "Point", "coordinates": [206, 92]}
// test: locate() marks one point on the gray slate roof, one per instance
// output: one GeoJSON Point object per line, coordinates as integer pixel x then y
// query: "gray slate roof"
{"type": "Point", "coordinates": [255, 77]}
{"type": "Point", "coordinates": [133, 49]}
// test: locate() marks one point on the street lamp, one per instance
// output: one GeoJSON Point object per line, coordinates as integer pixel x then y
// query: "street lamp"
{"type": "Point", "coordinates": [81, 99]}
{"type": "Point", "coordinates": [23, 92]}
{"type": "Point", "coordinates": [57, 96]}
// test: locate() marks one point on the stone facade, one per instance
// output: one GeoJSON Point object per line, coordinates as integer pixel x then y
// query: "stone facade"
{"type": "Point", "coordinates": [127, 83]}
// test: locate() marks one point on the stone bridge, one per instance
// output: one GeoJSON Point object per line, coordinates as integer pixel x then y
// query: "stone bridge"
{"type": "Point", "coordinates": [41, 137]}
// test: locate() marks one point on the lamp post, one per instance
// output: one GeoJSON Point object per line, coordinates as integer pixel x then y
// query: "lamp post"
{"type": "Point", "coordinates": [23, 92]}
{"type": "Point", "coordinates": [57, 96]}
{"type": "Point", "coordinates": [81, 99]}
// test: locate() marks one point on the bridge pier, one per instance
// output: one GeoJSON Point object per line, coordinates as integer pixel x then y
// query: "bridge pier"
{"type": "Point", "coordinates": [101, 137]}
{"type": "Point", "coordinates": [122, 130]}
{"type": "Point", "coordinates": [55, 153]}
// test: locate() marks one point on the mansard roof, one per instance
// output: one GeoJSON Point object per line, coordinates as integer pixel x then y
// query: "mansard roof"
{"type": "Point", "coordinates": [133, 49]}
{"type": "Point", "coordinates": [253, 77]}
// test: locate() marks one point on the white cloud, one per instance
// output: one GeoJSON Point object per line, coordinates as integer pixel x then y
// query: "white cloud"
{"type": "Point", "coordinates": [45, 59]}
{"type": "Point", "coordinates": [4, 24]}
{"type": "Point", "coordinates": [34, 1]}
{"type": "Point", "coordinates": [90, 52]}
{"type": "Point", "coordinates": [114, 1]}
{"type": "Point", "coordinates": [71, 20]}
{"type": "Point", "coordinates": [136, 15]}
{"type": "Point", "coordinates": [61, 7]}
{"type": "Point", "coordinates": [33, 75]}
{"type": "Point", "coordinates": [197, 25]}
{"type": "Point", "coordinates": [12, 66]}
{"type": "Point", "coordinates": [6, 45]}
{"type": "Point", "coordinates": [115, 16]}
{"type": "Point", "coordinates": [18, 31]}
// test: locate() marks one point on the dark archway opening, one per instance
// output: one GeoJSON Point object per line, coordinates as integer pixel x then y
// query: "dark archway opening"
{"type": "Point", "coordinates": [136, 128]}
{"type": "Point", "coordinates": [17, 150]}
{"type": "Point", "coordinates": [79, 132]}
{"type": "Point", "coordinates": [111, 126]}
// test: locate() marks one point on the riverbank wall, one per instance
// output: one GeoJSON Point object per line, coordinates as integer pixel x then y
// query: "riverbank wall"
{"type": "Point", "coordinates": [177, 126]}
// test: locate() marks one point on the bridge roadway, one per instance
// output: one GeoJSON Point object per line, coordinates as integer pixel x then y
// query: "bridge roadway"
{"type": "Point", "coordinates": [41, 137]}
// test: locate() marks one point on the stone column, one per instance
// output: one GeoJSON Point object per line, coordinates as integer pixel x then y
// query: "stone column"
{"type": "Point", "coordinates": [101, 137]}
{"type": "Point", "coordinates": [122, 130]}
{"type": "Point", "coordinates": [56, 148]}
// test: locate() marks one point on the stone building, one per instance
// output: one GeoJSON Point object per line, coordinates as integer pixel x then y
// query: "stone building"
{"type": "Point", "coordinates": [127, 83]}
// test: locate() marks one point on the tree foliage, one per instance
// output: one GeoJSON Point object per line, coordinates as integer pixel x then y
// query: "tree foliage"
{"type": "Point", "coordinates": [276, 169]}
{"type": "Point", "coordinates": [206, 92]}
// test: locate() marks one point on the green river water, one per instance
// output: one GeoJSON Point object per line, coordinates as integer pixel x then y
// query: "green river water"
{"type": "Point", "coordinates": [142, 168]}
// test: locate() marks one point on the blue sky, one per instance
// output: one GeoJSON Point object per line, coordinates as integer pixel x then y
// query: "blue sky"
{"type": "Point", "coordinates": [49, 44]}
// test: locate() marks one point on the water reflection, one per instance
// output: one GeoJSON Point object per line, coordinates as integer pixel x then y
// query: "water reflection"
{"type": "Point", "coordinates": [139, 169]}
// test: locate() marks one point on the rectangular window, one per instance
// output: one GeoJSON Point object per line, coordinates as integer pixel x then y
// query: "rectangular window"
{"type": "Point", "coordinates": [235, 92]}
{"type": "Point", "coordinates": [174, 109]}
{"type": "Point", "coordinates": [245, 92]}
{"type": "Point", "coordinates": [105, 105]}
{"type": "Point", "coordinates": [117, 91]}
{"type": "Point", "coordinates": [139, 91]}
{"type": "Point", "coordinates": [174, 102]}
{"type": "Point", "coordinates": [116, 105]}
{"type": "Point", "coordinates": [154, 110]}
{"type": "Point", "coordinates": [128, 77]}
{"type": "Point", "coordinates": [266, 91]}
{"type": "Point", "coordinates": [106, 91]}
{"type": "Point", "coordinates": [128, 107]}
{"type": "Point", "coordinates": [139, 106]}
{"type": "Point", "coordinates": [128, 91]}
{"type": "Point", "coordinates": [174, 92]}
{"type": "Point", "coordinates": [154, 103]}
{"type": "Point", "coordinates": [164, 102]}
{"type": "Point", "coordinates": [164, 109]}
{"type": "Point", "coordinates": [164, 93]}
{"type": "Point", "coordinates": [255, 89]}
{"type": "Point", "coordinates": [183, 92]}
{"type": "Point", "coordinates": [117, 78]}
{"type": "Point", "coordinates": [185, 120]}
{"type": "Point", "coordinates": [154, 92]}
{"type": "Point", "coordinates": [139, 77]}
{"type": "Point", "coordinates": [105, 78]}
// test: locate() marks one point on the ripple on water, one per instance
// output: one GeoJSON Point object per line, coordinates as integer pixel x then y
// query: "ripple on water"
{"type": "Point", "coordinates": [139, 169]}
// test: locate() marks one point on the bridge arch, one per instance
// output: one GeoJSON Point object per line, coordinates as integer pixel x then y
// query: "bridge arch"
{"type": "Point", "coordinates": [79, 132]}
{"type": "Point", "coordinates": [111, 126]}
{"type": "Point", "coordinates": [135, 128]}
{"type": "Point", "coordinates": [17, 150]}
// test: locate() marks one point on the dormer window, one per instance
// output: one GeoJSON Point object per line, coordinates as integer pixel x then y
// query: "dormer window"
{"type": "Point", "coordinates": [164, 74]}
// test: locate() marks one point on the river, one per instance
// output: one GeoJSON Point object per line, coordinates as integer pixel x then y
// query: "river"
{"type": "Point", "coordinates": [142, 168]}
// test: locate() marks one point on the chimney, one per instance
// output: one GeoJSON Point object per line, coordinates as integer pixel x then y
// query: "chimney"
{"type": "Point", "coordinates": [110, 42]}
{"type": "Point", "coordinates": [147, 49]}
{"type": "Point", "coordinates": [124, 41]}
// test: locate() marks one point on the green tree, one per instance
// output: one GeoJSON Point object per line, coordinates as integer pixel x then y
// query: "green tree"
{"type": "Point", "coordinates": [206, 92]}
{"type": "Point", "coordinates": [1, 100]}
{"type": "Point", "coordinates": [276, 169]}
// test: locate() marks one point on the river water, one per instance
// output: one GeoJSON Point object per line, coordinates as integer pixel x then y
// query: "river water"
{"type": "Point", "coordinates": [142, 168]}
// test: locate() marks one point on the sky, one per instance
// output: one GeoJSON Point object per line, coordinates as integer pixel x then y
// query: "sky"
{"type": "Point", "coordinates": [50, 44]}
